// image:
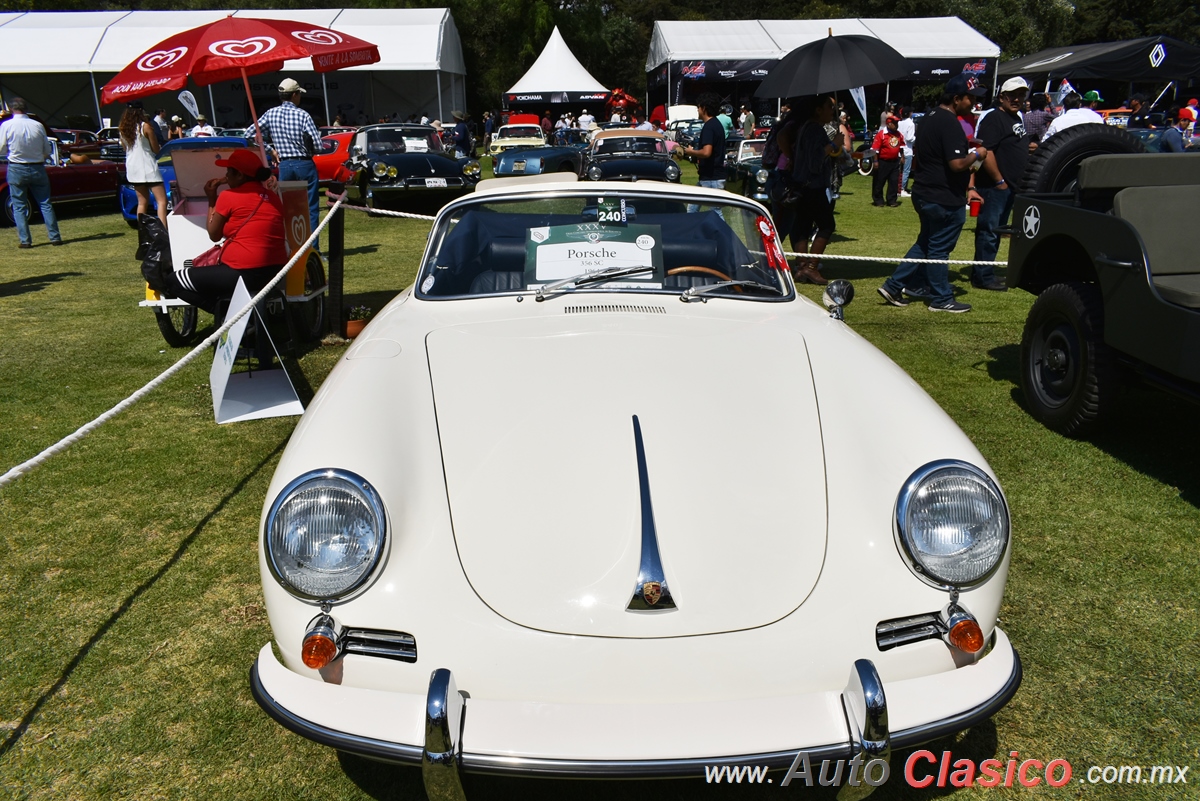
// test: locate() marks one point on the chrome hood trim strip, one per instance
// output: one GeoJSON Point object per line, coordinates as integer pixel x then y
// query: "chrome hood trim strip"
{"type": "Point", "coordinates": [650, 593]}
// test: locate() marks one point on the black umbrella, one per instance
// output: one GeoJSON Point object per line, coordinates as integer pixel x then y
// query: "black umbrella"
{"type": "Point", "coordinates": [832, 63]}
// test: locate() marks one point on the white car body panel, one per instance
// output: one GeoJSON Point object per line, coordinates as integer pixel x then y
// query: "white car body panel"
{"type": "Point", "coordinates": [498, 434]}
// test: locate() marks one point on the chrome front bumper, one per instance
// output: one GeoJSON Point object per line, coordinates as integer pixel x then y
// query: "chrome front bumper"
{"type": "Point", "coordinates": [447, 712]}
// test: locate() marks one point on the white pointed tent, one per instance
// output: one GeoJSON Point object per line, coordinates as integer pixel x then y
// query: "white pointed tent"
{"type": "Point", "coordinates": [556, 77]}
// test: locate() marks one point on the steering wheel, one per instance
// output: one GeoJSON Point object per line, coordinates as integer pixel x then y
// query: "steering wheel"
{"type": "Point", "coordinates": [694, 268]}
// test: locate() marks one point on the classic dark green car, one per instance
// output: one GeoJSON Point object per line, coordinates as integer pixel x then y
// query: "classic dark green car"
{"type": "Point", "coordinates": [403, 165]}
{"type": "Point", "coordinates": [744, 173]}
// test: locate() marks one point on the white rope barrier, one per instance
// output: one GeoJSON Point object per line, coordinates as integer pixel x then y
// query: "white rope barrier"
{"type": "Point", "coordinates": [889, 259]}
{"type": "Point", "coordinates": [789, 254]}
{"type": "Point", "coordinates": [387, 213]}
{"type": "Point", "coordinates": [230, 320]}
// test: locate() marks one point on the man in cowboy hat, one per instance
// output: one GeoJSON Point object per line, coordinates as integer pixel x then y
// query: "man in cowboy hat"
{"type": "Point", "coordinates": [463, 146]}
{"type": "Point", "coordinates": [202, 127]}
{"type": "Point", "coordinates": [295, 136]}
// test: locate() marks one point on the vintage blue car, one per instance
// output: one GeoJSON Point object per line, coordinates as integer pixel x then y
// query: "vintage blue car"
{"type": "Point", "coordinates": [629, 155]}
{"type": "Point", "coordinates": [565, 156]}
{"type": "Point", "coordinates": [403, 165]}
{"type": "Point", "coordinates": [128, 197]}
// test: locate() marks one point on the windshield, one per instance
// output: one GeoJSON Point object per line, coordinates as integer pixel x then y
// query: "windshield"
{"type": "Point", "coordinates": [629, 144]}
{"type": "Point", "coordinates": [576, 242]}
{"type": "Point", "coordinates": [752, 149]}
{"type": "Point", "coordinates": [520, 132]}
{"type": "Point", "coordinates": [401, 140]}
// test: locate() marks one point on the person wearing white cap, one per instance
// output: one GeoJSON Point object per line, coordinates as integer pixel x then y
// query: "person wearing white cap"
{"type": "Point", "coordinates": [585, 119]}
{"type": "Point", "coordinates": [1008, 147]}
{"type": "Point", "coordinates": [294, 135]}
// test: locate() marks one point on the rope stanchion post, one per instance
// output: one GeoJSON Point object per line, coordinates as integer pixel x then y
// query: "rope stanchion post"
{"type": "Point", "coordinates": [336, 262]}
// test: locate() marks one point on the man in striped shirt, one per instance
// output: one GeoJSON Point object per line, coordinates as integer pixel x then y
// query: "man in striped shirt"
{"type": "Point", "coordinates": [291, 130]}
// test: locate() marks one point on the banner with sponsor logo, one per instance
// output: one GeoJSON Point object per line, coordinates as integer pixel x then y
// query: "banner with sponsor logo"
{"type": "Point", "coordinates": [542, 98]}
{"type": "Point", "coordinates": [748, 70]}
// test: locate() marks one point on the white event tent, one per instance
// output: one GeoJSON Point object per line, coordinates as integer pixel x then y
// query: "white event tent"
{"type": "Point", "coordinates": [556, 77]}
{"type": "Point", "coordinates": [745, 50]}
{"type": "Point", "coordinates": [58, 61]}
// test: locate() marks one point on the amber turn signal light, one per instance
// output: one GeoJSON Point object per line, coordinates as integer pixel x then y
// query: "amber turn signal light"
{"type": "Point", "coordinates": [320, 643]}
{"type": "Point", "coordinates": [966, 636]}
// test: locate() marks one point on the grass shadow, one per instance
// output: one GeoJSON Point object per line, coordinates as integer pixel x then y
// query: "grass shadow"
{"type": "Point", "coordinates": [361, 249]}
{"type": "Point", "coordinates": [1151, 431]}
{"type": "Point", "coordinates": [35, 283]}
{"type": "Point", "coordinates": [15, 734]}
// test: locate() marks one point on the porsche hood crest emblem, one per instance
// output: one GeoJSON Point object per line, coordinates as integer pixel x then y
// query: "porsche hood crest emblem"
{"type": "Point", "coordinates": [651, 592]}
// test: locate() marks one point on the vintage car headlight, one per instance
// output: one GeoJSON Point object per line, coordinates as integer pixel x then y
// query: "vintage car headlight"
{"type": "Point", "coordinates": [761, 176]}
{"type": "Point", "coordinates": [380, 169]}
{"type": "Point", "coordinates": [325, 535]}
{"type": "Point", "coordinates": [672, 172]}
{"type": "Point", "coordinates": [952, 524]}
{"type": "Point", "coordinates": [393, 172]}
{"type": "Point", "coordinates": [471, 168]}
{"type": "Point", "coordinates": [595, 173]}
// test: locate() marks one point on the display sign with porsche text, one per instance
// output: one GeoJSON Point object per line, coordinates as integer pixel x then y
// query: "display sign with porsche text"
{"type": "Point", "coordinates": [555, 252]}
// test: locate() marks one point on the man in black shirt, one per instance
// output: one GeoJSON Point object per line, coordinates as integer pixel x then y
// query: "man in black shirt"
{"type": "Point", "coordinates": [1140, 118]}
{"type": "Point", "coordinates": [1008, 145]}
{"type": "Point", "coordinates": [941, 177]}
{"type": "Point", "coordinates": [710, 154]}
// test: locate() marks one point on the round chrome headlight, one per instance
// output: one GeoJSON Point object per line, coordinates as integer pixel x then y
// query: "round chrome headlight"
{"type": "Point", "coordinates": [325, 535]}
{"type": "Point", "coordinates": [761, 176]}
{"type": "Point", "coordinates": [595, 173]}
{"type": "Point", "coordinates": [672, 172]}
{"type": "Point", "coordinates": [379, 168]}
{"type": "Point", "coordinates": [952, 524]}
{"type": "Point", "coordinates": [393, 172]}
{"type": "Point", "coordinates": [471, 168]}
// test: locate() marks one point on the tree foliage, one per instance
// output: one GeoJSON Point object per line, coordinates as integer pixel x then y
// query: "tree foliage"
{"type": "Point", "coordinates": [502, 38]}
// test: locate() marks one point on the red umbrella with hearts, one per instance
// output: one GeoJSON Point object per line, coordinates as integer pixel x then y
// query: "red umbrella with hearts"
{"type": "Point", "coordinates": [235, 47]}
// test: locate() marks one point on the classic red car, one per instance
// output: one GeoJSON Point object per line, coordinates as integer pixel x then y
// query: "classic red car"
{"type": "Point", "coordinates": [69, 182]}
{"type": "Point", "coordinates": [77, 141]}
{"type": "Point", "coordinates": [333, 153]}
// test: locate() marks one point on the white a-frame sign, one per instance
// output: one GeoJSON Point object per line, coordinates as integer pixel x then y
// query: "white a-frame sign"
{"type": "Point", "coordinates": [252, 395]}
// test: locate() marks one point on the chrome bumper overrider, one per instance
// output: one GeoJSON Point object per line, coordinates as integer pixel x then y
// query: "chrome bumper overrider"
{"type": "Point", "coordinates": [447, 712]}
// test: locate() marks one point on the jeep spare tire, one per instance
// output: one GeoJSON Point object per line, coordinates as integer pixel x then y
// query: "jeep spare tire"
{"type": "Point", "coordinates": [1055, 164]}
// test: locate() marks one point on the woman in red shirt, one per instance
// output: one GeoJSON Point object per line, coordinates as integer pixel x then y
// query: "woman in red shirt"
{"type": "Point", "coordinates": [249, 217]}
{"type": "Point", "coordinates": [889, 144]}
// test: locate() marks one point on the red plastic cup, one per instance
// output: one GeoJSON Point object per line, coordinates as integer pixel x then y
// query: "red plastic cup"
{"type": "Point", "coordinates": [974, 208]}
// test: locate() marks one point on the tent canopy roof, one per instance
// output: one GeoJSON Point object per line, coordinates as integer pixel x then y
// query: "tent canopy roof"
{"type": "Point", "coordinates": [1151, 58]}
{"type": "Point", "coordinates": [107, 41]}
{"type": "Point", "coordinates": [557, 69]}
{"type": "Point", "coordinates": [735, 40]}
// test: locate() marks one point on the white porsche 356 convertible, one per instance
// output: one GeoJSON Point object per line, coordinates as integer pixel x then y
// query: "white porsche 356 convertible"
{"type": "Point", "coordinates": [601, 495]}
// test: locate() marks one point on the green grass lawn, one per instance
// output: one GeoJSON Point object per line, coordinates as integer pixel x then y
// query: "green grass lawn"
{"type": "Point", "coordinates": [129, 563]}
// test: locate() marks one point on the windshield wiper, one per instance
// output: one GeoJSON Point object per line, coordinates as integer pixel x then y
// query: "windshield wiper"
{"type": "Point", "coordinates": [696, 291]}
{"type": "Point", "coordinates": [583, 279]}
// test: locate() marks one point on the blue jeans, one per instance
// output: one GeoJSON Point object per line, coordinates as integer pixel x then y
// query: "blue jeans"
{"type": "Point", "coordinates": [997, 205]}
{"type": "Point", "coordinates": [940, 227]}
{"type": "Point", "coordinates": [304, 170]}
{"type": "Point", "coordinates": [908, 161]}
{"type": "Point", "coordinates": [25, 182]}
{"type": "Point", "coordinates": [718, 184]}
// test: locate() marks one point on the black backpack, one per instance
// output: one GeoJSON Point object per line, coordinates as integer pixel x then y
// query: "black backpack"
{"type": "Point", "coordinates": [770, 156]}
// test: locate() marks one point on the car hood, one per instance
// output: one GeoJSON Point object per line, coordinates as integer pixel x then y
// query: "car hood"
{"type": "Point", "coordinates": [538, 447]}
{"type": "Point", "coordinates": [654, 165]}
{"type": "Point", "coordinates": [418, 164]}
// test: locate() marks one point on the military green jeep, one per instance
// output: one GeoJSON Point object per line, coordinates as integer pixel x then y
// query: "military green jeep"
{"type": "Point", "coordinates": [1115, 263]}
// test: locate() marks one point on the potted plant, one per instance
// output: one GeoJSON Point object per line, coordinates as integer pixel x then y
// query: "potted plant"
{"type": "Point", "coordinates": [356, 319]}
